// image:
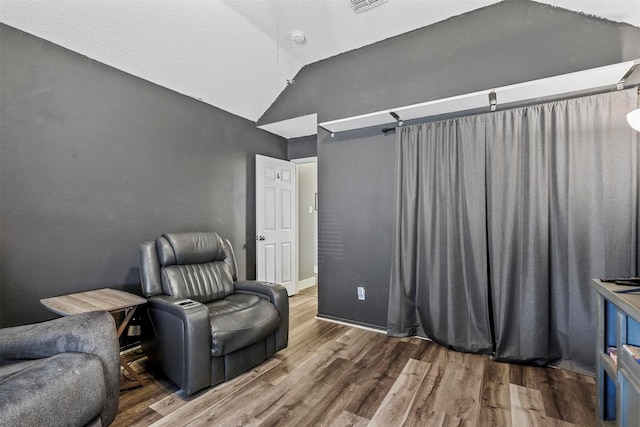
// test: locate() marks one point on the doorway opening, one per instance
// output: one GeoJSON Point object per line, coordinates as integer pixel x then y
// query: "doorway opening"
{"type": "Point", "coordinates": [307, 223]}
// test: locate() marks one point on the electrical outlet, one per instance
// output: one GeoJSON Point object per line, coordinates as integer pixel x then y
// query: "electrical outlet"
{"type": "Point", "coordinates": [361, 293]}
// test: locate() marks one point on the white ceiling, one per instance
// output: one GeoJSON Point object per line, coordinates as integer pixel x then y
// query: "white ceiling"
{"type": "Point", "coordinates": [236, 54]}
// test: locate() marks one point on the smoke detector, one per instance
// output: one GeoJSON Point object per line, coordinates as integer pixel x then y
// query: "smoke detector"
{"type": "Point", "coordinates": [297, 37]}
{"type": "Point", "coordinates": [363, 5]}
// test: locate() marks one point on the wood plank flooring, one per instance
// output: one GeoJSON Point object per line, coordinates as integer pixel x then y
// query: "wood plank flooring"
{"type": "Point", "coordinates": [336, 375]}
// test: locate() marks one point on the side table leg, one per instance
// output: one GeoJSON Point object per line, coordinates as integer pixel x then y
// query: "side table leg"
{"type": "Point", "coordinates": [123, 326]}
{"type": "Point", "coordinates": [135, 376]}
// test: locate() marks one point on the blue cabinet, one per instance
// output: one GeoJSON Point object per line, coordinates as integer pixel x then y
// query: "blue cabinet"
{"type": "Point", "coordinates": [617, 368]}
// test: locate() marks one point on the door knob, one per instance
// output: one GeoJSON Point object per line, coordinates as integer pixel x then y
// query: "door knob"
{"type": "Point", "coordinates": [262, 238]}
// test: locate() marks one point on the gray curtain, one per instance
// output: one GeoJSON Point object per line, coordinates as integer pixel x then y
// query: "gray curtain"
{"type": "Point", "coordinates": [440, 258]}
{"type": "Point", "coordinates": [553, 203]}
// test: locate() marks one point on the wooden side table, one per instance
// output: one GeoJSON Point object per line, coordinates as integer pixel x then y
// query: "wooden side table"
{"type": "Point", "coordinates": [111, 300]}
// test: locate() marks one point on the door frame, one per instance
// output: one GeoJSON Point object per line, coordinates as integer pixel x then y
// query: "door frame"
{"type": "Point", "coordinates": [297, 162]}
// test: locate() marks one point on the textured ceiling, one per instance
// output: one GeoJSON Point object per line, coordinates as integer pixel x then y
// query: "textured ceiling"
{"type": "Point", "coordinates": [236, 54]}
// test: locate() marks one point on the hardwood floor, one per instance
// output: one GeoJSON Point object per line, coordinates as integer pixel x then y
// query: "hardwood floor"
{"type": "Point", "coordinates": [336, 375]}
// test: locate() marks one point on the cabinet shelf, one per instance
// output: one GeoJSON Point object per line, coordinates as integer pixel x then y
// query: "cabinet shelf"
{"type": "Point", "coordinates": [608, 364]}
{"type": "Point", "coordinates": [627, 360]}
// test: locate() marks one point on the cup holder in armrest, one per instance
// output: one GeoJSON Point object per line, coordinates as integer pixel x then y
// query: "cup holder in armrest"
{"type": "Point", "coordinates": [187, 303]}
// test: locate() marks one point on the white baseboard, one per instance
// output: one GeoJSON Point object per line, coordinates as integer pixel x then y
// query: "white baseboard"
{"type": "Point", "coordinates": [306, 283]}
{"type": "Point", "coordinates": [354, 325]}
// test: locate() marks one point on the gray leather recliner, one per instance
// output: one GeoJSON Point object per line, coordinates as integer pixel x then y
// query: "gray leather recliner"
{"type": "Point", "coordinates": [208, 326]}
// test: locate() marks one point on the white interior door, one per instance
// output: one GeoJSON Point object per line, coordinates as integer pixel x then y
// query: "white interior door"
{"type": "Point", "coordinates": [275, 222]}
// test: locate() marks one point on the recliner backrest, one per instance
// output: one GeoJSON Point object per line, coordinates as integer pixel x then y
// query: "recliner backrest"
{"type": "Point", "coordinates": [193, 265]}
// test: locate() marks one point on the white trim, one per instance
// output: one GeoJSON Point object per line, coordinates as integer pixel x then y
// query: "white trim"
{"type": "Point", "coordinates": [354, 325]}
{"type": "Point", "coordinates": [366, 328]}
{"type": "Point", "coordinates": [293, 128]}
{"type": "Point", "coordinates": [609, 76]}
{"type": "Point", "coordinates": [358, 122]}
{"type": "Point", "coordinates": [306, 283]}
{"type": "Point", "coordinates": [304, 160]}
{"type": "Point", "coordinates": [421, 338]}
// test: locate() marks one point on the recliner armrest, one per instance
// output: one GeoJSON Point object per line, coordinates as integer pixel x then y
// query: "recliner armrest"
{"type": "Point", "coordinates": [183, 330]}
{"type": "Point", "coordinates": [183, 308]}
{"type": "Point", "coordinates": [278, 296]}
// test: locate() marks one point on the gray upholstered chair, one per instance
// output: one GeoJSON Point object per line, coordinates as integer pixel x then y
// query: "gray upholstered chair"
{"type": "Point", "coordinates": [208, 326]}
{"type": "Point", "coordinates": [64, 372]}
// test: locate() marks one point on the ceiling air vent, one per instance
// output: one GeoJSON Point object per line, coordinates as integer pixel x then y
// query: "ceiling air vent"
{"type": "Point", "coordinates": [362, 5]}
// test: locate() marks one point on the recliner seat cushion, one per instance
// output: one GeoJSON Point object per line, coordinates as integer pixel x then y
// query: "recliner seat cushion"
{"type": "Point", "coordinates": [32, 396]}
{"type": "Point", "coordinates": [240, 320]}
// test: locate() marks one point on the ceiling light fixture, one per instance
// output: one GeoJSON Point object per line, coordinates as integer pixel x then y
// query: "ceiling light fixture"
{"type": "Point", "coordinates": [297, 37]}
{"type": "Point", "coordinates": [634, 119]}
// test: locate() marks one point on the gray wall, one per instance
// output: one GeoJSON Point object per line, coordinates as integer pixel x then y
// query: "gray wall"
{"type": "Point", "coordinates": [303, 147]}
{"type": "Point", "coordinates": [356, 183]}
{"type": "Point", "coordinates": [509, 42]}
{"type": "Point", "coordinates": [94, 161]}
{"type": "Point", "coordinates": [502, 44]}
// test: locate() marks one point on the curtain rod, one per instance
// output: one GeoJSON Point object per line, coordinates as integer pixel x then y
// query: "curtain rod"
{"type": "Point", "coordinates": [609, 76]}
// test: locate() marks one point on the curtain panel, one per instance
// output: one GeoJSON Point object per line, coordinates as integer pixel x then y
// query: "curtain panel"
{"type": "Point", "coordinates": [502, 220]}
{"type": "Point", "coordinates": [440, 240]}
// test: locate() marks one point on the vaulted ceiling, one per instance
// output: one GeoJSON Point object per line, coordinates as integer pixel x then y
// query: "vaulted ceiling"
{"type": "Point", "coordinates": [238, 54]}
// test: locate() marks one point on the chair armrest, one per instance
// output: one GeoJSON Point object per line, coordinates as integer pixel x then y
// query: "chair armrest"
{"type": "Point", "coordinates": [93, 333]}
{"type": "Point", "coordinates": [184, 340]}
{"type": "Point", "coordinates": [183, 308]}
{"type": "Point", "coordinates": [278, 296]}
{"type": "Point", "coordinates": [274, 292]}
